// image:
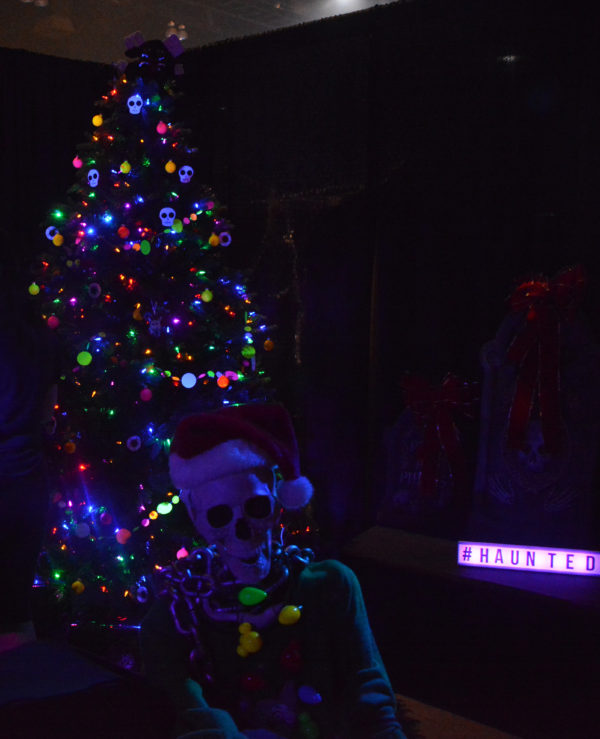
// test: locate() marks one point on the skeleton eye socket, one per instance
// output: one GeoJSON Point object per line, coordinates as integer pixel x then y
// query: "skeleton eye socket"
{"type": "Point", "coordinates": [219, 515]}
{"type": "Point", "coordinates": [259, 506]}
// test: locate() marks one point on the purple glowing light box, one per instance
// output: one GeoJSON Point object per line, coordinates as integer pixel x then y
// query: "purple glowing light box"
{"type": "Point", "coordinates": [532, 559]}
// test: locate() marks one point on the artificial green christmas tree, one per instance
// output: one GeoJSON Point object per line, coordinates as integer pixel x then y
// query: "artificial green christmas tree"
{"type": "Point", "coordinates": [153, 325]}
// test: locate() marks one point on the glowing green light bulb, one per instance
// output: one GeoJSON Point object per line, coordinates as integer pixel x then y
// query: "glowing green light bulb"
{"type": "Point", "coordinates": [164, 508]}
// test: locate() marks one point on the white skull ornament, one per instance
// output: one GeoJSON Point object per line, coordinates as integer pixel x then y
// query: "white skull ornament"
{"type": "Point", "coordinates": [134, 103]}
{"type": "Point", "coordinates": [167, 216]}
{"type": "Point", "coordinates": [93, 177]}
{"type": "Point", "coordinates": [237, 514]}
{"type": "Point", "coordinates": [185, 173]}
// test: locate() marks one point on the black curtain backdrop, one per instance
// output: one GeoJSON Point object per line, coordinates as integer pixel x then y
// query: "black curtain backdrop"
{"type": "Point", "coordinates": [392, 174]}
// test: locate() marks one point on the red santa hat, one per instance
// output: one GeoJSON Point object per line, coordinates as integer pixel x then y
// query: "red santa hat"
{"type": "Point", "coordinates": [233, 439]}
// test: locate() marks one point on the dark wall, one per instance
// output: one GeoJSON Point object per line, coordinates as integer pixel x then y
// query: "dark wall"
{"type": "Point", "coordinates": [425, 155]}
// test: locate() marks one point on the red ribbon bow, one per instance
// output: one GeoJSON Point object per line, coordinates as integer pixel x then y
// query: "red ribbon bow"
{"type": "Point", "coordinates": [536, 352]}
{"type": "Point", "coordinates": [435, 408]}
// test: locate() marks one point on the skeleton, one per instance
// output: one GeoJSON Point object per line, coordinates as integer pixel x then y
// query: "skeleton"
{"type": "Point", "coordinates": [237, 516]}
{"type": "Point", "coordinates": [167, 216]}
{"type": "Point", "coordinates": [134, 103]}
{"type": "Point", "coordinates": [533, 454]}
{"type": "Point", "coordinates": [154, 319]}
{"type": "Point", "coordinates": [532, 476]}
{"type": "Point", "coordinates": [186, 173]}
{"type": "Point", "coordinates": [531, 468]}
{"type": "Point", "coordinates": [93, 177]}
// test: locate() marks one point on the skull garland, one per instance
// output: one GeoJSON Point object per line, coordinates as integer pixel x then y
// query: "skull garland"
{"type": "Point", "coordinates": [135, 103]}
{"type": "Point", "coordinates": [185, 173]}
{"type": "Point", "coordinates": [167, 217]}
{"type": "Point", "coordinates": [224, 462]}
{"type": "Point", "coordinates": [93, 177]}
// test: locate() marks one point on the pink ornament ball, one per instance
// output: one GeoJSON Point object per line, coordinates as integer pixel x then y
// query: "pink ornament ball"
{"type": "Point", "coordinates": [105, 519]}
{"type": "Point", "coordinates": [146, 394]}
{"type": "Point", "coordinates": [53, 322]}
{"type": "Point", "coordinates": [77, 163]}
{"type": "Point", "coordinates": [161, 128]}
{"type": "Point", "coordinates": [123, 536]}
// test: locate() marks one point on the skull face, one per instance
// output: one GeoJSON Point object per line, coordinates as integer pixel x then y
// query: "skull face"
{"type": "Point", "coordinates": [237, 514]}
{"type": "Point", "coordinates": [167, 216]}
{"type": "Point", "coordinates": [93, 177]}
{"type": "Point", "coordinates": [533, 455]}
{"type": "Point", "coordinates": [134, 103]}
{"type": "Point", "coordinates": [155, 327]}
{"type": "Point", "coordinates": [186, 173]}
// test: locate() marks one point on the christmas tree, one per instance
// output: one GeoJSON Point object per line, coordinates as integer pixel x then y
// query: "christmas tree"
{"type": "Point", "coordinates": [152, 324]}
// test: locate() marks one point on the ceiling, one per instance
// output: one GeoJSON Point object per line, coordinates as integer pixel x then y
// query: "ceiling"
{"type": "Point", "coordinates": [94, 30]}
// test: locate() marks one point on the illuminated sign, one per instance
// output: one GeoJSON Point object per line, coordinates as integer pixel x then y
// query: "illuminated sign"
{"type": "Point", "coordinates": [532, 559]}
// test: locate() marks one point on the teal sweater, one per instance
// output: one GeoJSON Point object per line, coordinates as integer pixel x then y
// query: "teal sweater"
{"type": "Point", "coordinates": [321, 677]}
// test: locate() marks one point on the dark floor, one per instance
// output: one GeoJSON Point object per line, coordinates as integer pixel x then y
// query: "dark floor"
{"type": "Point", "coordinates": [515, 654]}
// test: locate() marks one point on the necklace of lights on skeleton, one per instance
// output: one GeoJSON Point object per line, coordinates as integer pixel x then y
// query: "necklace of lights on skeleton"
{"type": "Point", "coordinates": [199, 584]}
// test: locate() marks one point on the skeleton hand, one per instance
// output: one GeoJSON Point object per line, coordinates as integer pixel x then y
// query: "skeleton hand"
{"type": "Point", "coordinates": [559, 499]}
{"type": "Point", "coordinates": [502, 491]}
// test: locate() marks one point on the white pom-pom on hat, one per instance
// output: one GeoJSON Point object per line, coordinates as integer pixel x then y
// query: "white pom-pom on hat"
{"type": "Point", "coordinates": [233, 439]}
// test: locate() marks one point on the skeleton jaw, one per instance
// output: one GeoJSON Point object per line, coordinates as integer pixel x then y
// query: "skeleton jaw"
{"type": "Point", "coordinates": [248, 564]}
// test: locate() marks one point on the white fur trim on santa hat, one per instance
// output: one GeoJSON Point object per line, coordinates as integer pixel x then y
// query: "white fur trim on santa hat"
{"type": "Point", "coordinates": [227, 458]}
{"type": "Point", "coordinates": [230, 458]}
{"type": "Point", "coordinates": [295, 494]}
